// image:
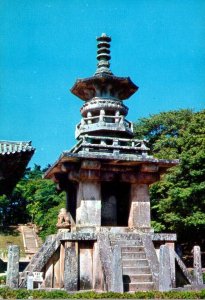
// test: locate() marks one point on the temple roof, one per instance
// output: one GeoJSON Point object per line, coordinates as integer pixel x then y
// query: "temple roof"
{"type": "Point", "coordinates": [8, 147]}
{"type": "Point", "coordinates": [115, 159]}
{"type": "Point", "coordinates": [14, 157]}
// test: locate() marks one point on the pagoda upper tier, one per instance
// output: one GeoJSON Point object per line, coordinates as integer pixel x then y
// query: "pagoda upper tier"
{"type": "Point", "coordinates": [104, 83]}
{"type": "Point", "coordinates": [106, 140]}
{"type": "Point", "coordinates": [103, 113]}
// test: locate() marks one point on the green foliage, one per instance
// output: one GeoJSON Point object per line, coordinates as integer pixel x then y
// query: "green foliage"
{"type": "Point", "coordinates": [178, 200]}
{"type": "Point", "coordinates": [4, 204]}
{"type": "Point", "coordinates": [7, 293]}
{"type": "Point", "coordinates": [3, 279]}
{"type": "Point", "coordinates": [37, 201]}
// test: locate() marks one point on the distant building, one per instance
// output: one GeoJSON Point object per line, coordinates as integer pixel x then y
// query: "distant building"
{"type": "Point", "coordinates": [14, 157]}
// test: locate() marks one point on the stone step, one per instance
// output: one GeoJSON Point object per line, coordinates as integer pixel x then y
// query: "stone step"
{"type": "Point", "coordinates": [135, 263]}
{"type": "Point", "coordinates": [141, 286]}
{"type": "Point", "coordinates": [30, 241]}
{"type": "Point", "coordinates": [132, 249]}
{"type": "Point", "coordinates": [135, 270]}
{"type": "Point", "coordinates": [132, 255]}
{"type": "Point", "coordinates": [29, 236]}
{"type": "Point", "coordinates": [31, 250]}
{"type": "Point", "coordinates": [137, 278]}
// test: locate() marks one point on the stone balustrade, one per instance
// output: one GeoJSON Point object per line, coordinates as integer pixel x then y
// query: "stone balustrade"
{"type": "Point", "coordinates": [111, 145]}
{"type": "Point", "coordinates": [93, 123]}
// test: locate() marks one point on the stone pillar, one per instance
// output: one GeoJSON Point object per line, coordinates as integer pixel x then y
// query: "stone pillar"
{"type": "Point", "coordinates": [172, 263]}
{"type": "Point", "coordinates": [116, 281]}
{"type": "Point", "coordinates": [29, 283]}
{"type": "Point", "coordinates": [71, 267]}
{"type": "Point", "coordinates": [102, 114]}
{"type": "Point", "coordinates": [198, 278]}
{"type": "Point", "coordinates": [139, 216]}
{"type": "Point", "coordinates": [62, 263]}
{"type": "Point", "coordinates": [165, 281]}
{"type": "Point", "coordinates": [105, 254]}
{"type": "Point", "coordinates": [88, 212]}
{"type": "Point", "coordinates": [98, 278]}
{"type": "Point", "coordinates": [86, 265]}
{"type": "Point", "coordinates": [117, 116]}
{"type": "Point", "coordinates": [12, 278]}
{"type": "Point", "coordinates": [89, 115]}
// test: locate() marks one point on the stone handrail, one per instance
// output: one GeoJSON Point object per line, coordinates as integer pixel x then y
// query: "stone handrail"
{"type": "Point", "coordinates": [182, 266]}
{"type": "Point", "coordinates": [106, 119]}
{"type": "Point", "coordinates": [87, 142]}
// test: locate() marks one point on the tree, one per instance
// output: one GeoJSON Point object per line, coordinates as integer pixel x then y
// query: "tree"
{"type": "Point", "coordinates": [34, 199]}
{"type": "Point", "coordinates": [4, 203]}
{"type": "Point", "coordinates": [178, 200]}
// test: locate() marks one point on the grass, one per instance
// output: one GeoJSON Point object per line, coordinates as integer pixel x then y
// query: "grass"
{"type": "Point", "coordinates": [10, 236]}
{"type": "Point", "coordinates": [6, 293]}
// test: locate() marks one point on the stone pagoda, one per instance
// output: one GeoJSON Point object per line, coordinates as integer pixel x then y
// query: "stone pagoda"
{"type": "Point", "coordinates": [105, 241]}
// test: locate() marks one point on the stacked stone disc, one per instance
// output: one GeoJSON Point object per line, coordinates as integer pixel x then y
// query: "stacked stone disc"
{"type": "Point", "coordinates": [103, 54]}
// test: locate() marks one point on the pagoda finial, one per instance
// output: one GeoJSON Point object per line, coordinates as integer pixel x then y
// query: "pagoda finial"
{"type": "Point", "coordinates": [103, 54]}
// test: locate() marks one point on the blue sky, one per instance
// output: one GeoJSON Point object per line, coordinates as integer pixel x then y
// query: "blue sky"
{"type": "Point", "coordinates": [45, 45]}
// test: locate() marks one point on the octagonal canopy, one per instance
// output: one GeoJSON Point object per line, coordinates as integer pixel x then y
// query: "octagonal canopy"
{"type": "Point", "coordinates": [87, 88]}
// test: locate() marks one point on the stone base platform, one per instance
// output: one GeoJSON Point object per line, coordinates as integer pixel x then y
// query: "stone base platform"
{"type": "Point", "coordinates": [90, 259]}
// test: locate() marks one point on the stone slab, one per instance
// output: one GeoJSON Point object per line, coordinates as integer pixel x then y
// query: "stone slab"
{"type": "Point", "coordinates": [85, 266]}
{"type": "Point", "coordinates": [12, 279]}
{"type": "Point", "coordinates": [71, 268]}
{"type": "Point", "coordinates": [105, 254]}
{"type": "Point", "coordinates": [198, 277]}
{"type": "Point", "coordinates": [29, 282]}
{"type": "Point", "coordinates": [165, 281]}
{"type": "Point", "coordinates": [78, 236]}
{"type": "Point", "coordinates": [117, 278]}
{"type": "Point", "coordinates": [164, 237]}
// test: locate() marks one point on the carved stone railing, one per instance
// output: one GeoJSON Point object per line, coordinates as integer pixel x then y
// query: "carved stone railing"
{"type": "Point", "coordinates": [111, 145]}
{"type": "Point", "coordinates": [93, 123]}
{"type": "Point", "coordinates": [183, 268]}
{"type": "Point", "coordinates": [104, 103]}
{"type": "Point", "coordinates": [40, 259]}
{"type": "Point", "coordinates": [167, 269]}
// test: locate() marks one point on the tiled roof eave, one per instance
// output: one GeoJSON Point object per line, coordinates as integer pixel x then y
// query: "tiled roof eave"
{"type": "Point", "coordinates": [11, 147]}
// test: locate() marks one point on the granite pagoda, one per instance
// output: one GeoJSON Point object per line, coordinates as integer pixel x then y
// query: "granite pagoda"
{"type": "Point", "coordinates": [105, 240]}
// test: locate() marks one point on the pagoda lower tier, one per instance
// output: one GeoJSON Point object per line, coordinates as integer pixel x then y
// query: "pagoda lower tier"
{"type": "Point", "coordinates": [107, 190]}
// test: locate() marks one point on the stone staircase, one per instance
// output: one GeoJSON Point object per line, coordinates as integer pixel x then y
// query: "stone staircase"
{"type": "Point", "coordinates": [39, 260]}
{"type": "Point", "coordinates": [136, 270]}
{"type": "Point", "coordinates": [30, 239]}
